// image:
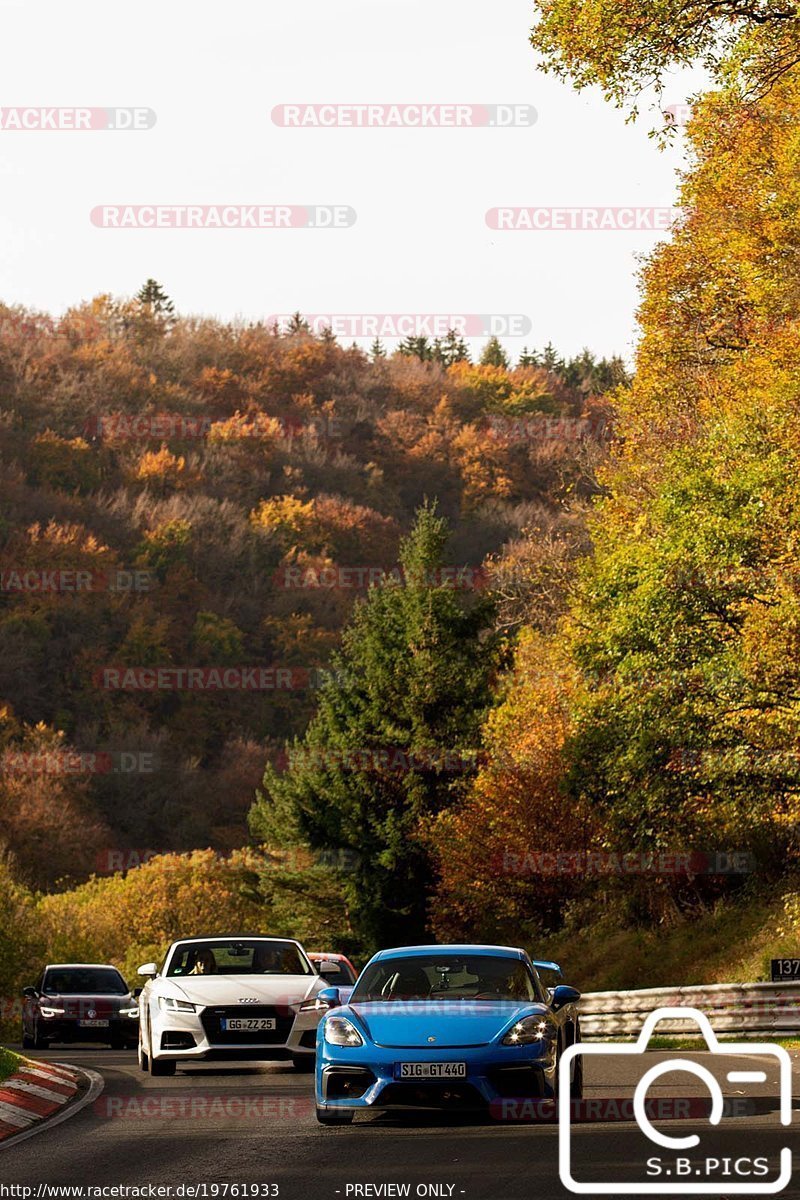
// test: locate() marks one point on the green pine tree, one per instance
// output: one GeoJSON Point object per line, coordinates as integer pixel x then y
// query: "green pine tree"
{"type": "Point", "coordinates": [494, 355]}
{"type": "Point", "coordinates": [416, 347]}
{"type": "Point", "coordinates": [153, 315]}
{"type": "Point", "coordinates": [377, 350]}
{"type": "Point", "coordinates": [551, 359]}
{"type": "Point", "coordinates": [152, 296]}
{"type": "Point", "coordinates": [528, 358]}
{"type": "Point", "coordinates": [453, 349]}
{"type": "Point", "coordinates": [412, 681]}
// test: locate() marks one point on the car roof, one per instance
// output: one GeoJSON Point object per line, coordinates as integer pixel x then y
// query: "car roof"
{"type": "Point", "coordinates": [69, 966]}
{"type": "Point", "coordinates": [475, 951]}
{"type": "Point", "coordinates": [327, 954]}
{"type": "Point", "coordinates": [235, 937]}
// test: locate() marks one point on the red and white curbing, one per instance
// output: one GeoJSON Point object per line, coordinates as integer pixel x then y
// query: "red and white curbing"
{"type": "Point", "coordinates": [36, 1091]}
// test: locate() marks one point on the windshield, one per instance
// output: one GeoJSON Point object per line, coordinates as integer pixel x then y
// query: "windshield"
{"type": "Point", "coordinates": [446, 977]}
{"type": "Point", "coordinates": [84, 981]}
{"type": "Point", "coordinates": [225, 956]}
{"type": "Point", "coordinates": [341, 975]}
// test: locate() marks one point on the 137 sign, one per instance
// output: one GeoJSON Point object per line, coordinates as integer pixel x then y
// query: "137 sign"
{"type": "Point", "coordinates": [785, 968]}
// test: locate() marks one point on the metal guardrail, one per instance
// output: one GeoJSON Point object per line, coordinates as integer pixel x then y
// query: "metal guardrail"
{"type": "Point", "coordinates": [747, 1009]}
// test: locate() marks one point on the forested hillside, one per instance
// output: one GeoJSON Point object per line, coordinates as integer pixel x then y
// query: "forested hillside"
{"type": "Point", "coordinates": [178, 493]}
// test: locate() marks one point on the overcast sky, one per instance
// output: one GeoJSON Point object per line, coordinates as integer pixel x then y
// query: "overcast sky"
{"type": "Point", "coordinates": [213, 75]}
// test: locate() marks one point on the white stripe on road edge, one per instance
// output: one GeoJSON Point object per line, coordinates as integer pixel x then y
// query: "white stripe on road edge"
{"type": "Point", "coordinates": [56, 1069]}
{"type": "Point", "coordinates": [33, 1089]}
{"type": "Point", "coordinates": [16, 1116]}
{"type": "Point", "coordinates": [96, 1085]}
{"type": "Point", "coordinates": [61, 1080]}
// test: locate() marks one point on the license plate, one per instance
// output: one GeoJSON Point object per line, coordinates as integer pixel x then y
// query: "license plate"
{"type": "Point", "coordinates": [93, 1024]}
{"type": "Point", "coordinates": [247, 1024]}
{"type": "Point", "coordinates": [440, 1070]}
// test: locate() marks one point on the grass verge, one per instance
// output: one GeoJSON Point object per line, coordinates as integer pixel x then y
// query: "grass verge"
{"type": "Point", "coordinates": [730, 943]}
{"type": "Point", "coordinates": [9, 1063]}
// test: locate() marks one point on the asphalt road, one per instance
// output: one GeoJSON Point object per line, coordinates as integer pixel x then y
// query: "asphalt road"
{"type": "Point", "coordinates": [226, 1126]}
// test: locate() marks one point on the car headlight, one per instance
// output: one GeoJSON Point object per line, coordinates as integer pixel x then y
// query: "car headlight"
{"type": "Point", "coordinates": [170, 1004]}
{"type": "Point", "coordinates": [129, 1012]}
{"type": "Point", "coordinates": [341, 1032]}
{"type": "Point", "coordinates": [51, 1012]}
{"type": "Point", "coordinates": [529, 1029]}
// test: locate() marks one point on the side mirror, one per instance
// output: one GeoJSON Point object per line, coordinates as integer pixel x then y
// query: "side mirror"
{"type": "Point", "coordinates": [148, 969]}
{"type": "Point", "coordinates": [329, 968]}
{"type": "Point", "coordinates": [330, 996]}
{"type": "Point", "coordinates": [30, 992]}
{"type": "Point", "coordinates": [136, 993]}
{"type": "Point", "coordinates": [564, 995]}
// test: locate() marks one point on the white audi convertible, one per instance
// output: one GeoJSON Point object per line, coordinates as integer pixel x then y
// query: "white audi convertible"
{"type": "Point", "coordinates": [235, 998]}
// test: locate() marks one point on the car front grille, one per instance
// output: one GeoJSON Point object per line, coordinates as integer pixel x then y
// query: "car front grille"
{"type": "Point", "coordinates": [212, 1017]}
{"type": "Point", "coordinates": [431, 1094]}
{"type": "Point", "coordinates": [521, 1082]}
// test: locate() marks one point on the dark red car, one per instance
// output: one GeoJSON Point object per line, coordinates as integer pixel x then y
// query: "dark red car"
{"type": "Point", "coordinates": [79, 1002]}
{"type": "Point", "coordinates": [344, 977]}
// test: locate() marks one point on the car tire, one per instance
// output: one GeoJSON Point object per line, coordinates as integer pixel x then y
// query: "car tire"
{"type": "Point", "coordinates": [117, 1043]}
{"type": "Point", "coordinates": [144, 1062]}
{"type": "Point", "coordinates": [39, 1042]}
{"type": "Point", "coordinates": [576, 1084]}
{"type": "Point", "coordinates": [27, 1041]}
{"type": "Point", "coordinates": [162, 1066]}
{"type": "Point", "coordinates": [304, 1063]}
{"type": "Point", "coordinates": [329, 1116]}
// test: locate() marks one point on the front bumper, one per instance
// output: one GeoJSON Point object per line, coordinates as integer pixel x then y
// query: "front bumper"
{"type": "Point", "coordinates": [198, 1037]}
{"type": "Point", "coordinates": [66, 1029]}
{"type": "Point", "coordinates": [363, 1077]}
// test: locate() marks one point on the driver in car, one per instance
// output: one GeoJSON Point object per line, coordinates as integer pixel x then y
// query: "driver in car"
{"type": "Point", "coordinates": [204, 963]}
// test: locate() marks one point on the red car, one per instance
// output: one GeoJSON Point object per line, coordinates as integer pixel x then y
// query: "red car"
{"type": "Point", "coordinates": [345, 976]}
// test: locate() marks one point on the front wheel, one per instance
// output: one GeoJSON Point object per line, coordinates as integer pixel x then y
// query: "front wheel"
{"type": "Point", "coordinates": [304, 1063]}
{"type": "Point", "coordinates": [162, 1066]}
{"type": "Point", "coordinates": [144, 1064]}
{"type": "Point", "coordinates": [332, 1116]}
{"type": "Point", "coordinates": [39, 1041]}
{"type": "Point", "coordinates": [27, 1041]}
{"type": "Point", "coordinates": [576, 1082]}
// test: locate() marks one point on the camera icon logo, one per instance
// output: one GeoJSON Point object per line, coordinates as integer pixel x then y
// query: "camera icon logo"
{"type": "Point", "coordinates": [699, 1175]}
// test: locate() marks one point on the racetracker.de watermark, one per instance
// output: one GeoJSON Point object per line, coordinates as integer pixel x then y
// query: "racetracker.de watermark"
{"type": "Point", "coordinates": [421, 324]}
{"type": "Point", "coordinates": [61, 581]}
{"type": "Point", "coordinates": [338, 858]}
{"type": "Point", "coordinates": [47, 119]}
{"type": "Point", "coordinates": [211, 679]}
{"type": "Point", "coordinates": [634, 862]}
{"type": "Point", "coordinates": [619, 1108]}
{"type": "Point", "coordinates": [223, 216]}
{"type": "Point", "coordinates": [361, 576]}
{"type": "Point", "coordinates": [79, 762]}
{"type": "Point", "coordinates": [197, 1106]}
{"type": "Point", "coordinates": [414, 115]}
{"type": "Point", "coordinates": [511, 430]}
{"type": "Point", "coordinates": [567, 219]}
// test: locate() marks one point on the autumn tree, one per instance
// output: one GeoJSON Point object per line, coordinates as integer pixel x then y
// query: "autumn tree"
{"type": "Point", "coordinates": [623, 48]}
{"type": "Point", "coordinates": [491, 886]}
{"type": "Point", "coordinates": [686, 620]}
{"type": "Point", "coordinates": [404, 703]}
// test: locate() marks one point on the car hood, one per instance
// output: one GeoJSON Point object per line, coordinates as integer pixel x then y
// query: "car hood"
{"type": "Point", "coordinates": [279, 990]}
{"type": "Point", "coordinates": [458, 1023]}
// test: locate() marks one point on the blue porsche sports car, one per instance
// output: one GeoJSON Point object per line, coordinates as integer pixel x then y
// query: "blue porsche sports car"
{"type": "Point", "coordinates": [443, 1027]}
